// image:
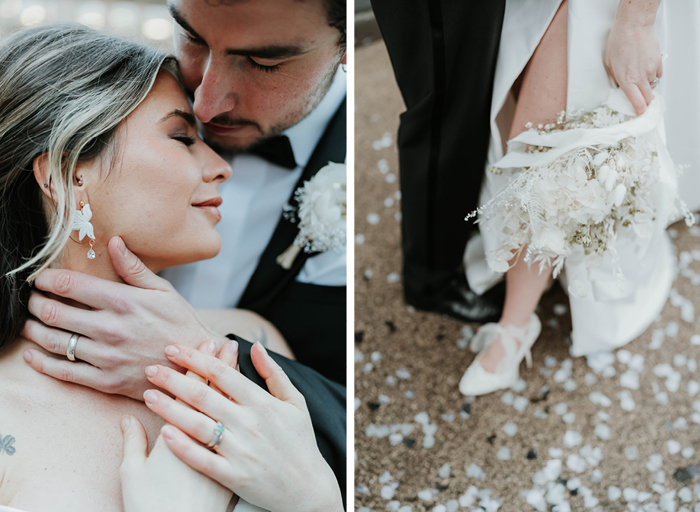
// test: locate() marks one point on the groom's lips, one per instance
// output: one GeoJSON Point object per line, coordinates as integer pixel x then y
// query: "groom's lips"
{"type": "Point", "coordinates": [221, 130]}
{"type": "Point", "coordinates": [211, 206]}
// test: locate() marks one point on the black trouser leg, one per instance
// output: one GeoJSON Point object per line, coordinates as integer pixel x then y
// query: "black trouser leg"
{"type": "Point", "coordinates": [444, 55]}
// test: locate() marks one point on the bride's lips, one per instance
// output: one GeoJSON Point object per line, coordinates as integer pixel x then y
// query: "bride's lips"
{"type": "Point", "coordinates": [211, 206]}
{"type": "Point", "coordinates": [217, 129]}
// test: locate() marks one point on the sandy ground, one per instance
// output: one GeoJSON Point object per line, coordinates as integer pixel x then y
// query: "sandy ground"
{"type": "Point", "coordinates": [408, 365]}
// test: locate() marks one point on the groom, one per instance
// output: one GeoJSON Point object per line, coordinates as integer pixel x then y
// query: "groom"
{"type": "Point", "coordinates": [266, 84]}
{"type": "Point", "coordinates": [268, 89]}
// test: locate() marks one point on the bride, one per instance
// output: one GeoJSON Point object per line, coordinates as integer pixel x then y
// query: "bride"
{"type": "Point", "coordinates": [98, 149]}
{"type": "Point", "coordinates": [556, 58]}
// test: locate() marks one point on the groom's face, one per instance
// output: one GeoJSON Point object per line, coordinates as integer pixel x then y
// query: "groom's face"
{"type": "Point", "coordinates": [254, 67]}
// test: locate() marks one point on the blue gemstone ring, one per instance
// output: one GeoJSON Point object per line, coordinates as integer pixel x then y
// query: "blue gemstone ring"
{"type": "Point", "coordinates": [217, 437]}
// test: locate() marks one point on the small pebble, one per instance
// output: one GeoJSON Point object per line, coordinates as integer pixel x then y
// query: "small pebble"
{"type": "Point", "coordinates": [673, 446]}
{"type": "Point", "coordinates": [614, 493]}
{"type": "Point", "coordinates": [510, 429]}
{"type": "Point", "coordinates": [373, 218]}
{"type": "Point", "coordinates": [602, 431]}
{"type": "Point", "coordinates": [503, 453]}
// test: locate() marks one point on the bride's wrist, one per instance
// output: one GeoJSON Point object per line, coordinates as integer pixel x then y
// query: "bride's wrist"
{"type": "Point", "coordinates": [632, 14]}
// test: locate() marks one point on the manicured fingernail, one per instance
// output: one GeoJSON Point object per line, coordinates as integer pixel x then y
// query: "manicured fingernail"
{"type": "Point", "coordinates": [150, 396]}
{"type": "Point", "coordinates": [211, 347]}
{"type": "Point", "coordinates": [262, 347]}
{"type": "Point", "coordinates": [232, 347]}
{"type": "Point", "coordinates": [172, 350]}
{"type": "Point", "coordinates": [167, 432]}
{"type": "Point", "coordinates": [151, 371]}
{"type": "Point", "coordinates": [27, 356]}
{"type": "Point", "coordinates": [126, 421]}
{"type": "Point", "coordinates": [122, 247]}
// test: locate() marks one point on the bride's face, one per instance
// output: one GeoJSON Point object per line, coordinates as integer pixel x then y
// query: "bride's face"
{"type": "Point", "coordinates": [161, 193]}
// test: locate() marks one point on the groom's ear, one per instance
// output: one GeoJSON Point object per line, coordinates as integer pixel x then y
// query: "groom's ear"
{"type": "Point", "coordinates": [344, 60]}
{"type": "Point", "coordinates": [42, 175]}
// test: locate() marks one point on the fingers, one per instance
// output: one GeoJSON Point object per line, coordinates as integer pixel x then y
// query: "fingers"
{"type": "Point", "coordinates": [192, 422]}
{"type": "Point", "coordinates": [86, 289]}
{"type": "Point", "coordinates": [635, 96]}
{"type": "Point", "coordinates": [135, 442]}
{"type": "Point", "coordinates": [197, 394]}
{"type": "Point", "coordinates": [277, 381]}
{"type": "Point", "coordinates": [68, 371]}
{"type": "Point", "coordinates": [197, 457]}
{"type": "Point", "coordinates": [132, 269]}
{"type": "Point", "coordinates": [227, 355]}
{"type": "Point", "coordinates": [205, 347]}
{"type": "Point", "coordinates": [645, 88]}
{"type": "Point", "coordinates": [56, 341]}
{"type": "Point", "coordinates": [56, 314]}
{"type": "Point", "coordinates": [225, 378]}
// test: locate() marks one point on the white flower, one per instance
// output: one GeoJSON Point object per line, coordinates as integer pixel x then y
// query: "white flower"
{"type": "Point", "coordinates": [587, 196]}
{"type": "Point", "coordinates": [551, 240]}
{"type": "Point", "coordinates": [82, 222]}
{"type": "Point", "coordinates": [618, 195]}
{"type": "Point", "coordinates": [322, 210]}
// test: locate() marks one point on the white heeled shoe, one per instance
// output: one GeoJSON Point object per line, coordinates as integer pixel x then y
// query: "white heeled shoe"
{"type": "Point", "coordinates": [516, 343]}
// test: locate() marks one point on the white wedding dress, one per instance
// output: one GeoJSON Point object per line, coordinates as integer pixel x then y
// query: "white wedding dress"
{"type": "Point", "coordinates": [605, 312]}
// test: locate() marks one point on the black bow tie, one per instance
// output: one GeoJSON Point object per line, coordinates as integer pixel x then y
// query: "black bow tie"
{"type": "Point", "coordinates": [276, 150]}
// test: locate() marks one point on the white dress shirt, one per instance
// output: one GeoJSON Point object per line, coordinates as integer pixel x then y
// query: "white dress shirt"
{"type": "Point", "coordinates": [252, 205]}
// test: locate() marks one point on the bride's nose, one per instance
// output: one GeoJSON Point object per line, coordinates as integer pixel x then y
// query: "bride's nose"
{"type": "Point", "coordinates": [215, 168]}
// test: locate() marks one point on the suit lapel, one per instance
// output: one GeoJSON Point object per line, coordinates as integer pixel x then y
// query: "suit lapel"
{"type": "Point", "coordinates": [269, 277]}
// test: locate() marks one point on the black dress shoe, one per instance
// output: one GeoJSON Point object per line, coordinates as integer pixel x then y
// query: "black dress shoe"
{"type": "Point", "coordinates": [459, 301]}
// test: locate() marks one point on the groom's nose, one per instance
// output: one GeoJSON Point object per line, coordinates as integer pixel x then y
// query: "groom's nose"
{"type": "Point", "coordinates": [216, 93]}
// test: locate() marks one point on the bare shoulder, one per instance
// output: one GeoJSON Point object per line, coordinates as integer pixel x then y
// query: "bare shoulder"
{"type": "Point", "coordinates": [10, 450]}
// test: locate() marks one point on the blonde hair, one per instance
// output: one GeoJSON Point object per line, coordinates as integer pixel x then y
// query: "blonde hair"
{"type": "Point", "coordinates": [64, 88]}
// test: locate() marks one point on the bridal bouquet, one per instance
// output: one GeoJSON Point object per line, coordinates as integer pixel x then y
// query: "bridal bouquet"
{"type": "Point", "coordinates": [321, 213]}
{"type": "Point", "coordinates": [584, 183]}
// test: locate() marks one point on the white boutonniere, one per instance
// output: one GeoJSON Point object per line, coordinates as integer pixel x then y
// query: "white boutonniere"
{"type": "Point", "coordinates": [321, 214]}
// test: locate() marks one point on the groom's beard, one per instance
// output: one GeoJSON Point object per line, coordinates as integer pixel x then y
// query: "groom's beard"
{"type": "Point", "coordinates": [227, 121]}
{"type": "Point", "coordinates": [230, 144]}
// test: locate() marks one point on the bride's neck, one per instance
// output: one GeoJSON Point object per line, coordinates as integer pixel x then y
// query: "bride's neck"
{"type": "Point", "coordinates": [74, 257]}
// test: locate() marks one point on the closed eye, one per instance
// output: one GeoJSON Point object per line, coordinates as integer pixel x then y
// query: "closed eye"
{"type": "Point", "coordinates": [194, 40]}
{"type": "Point", "coordinates": [187, 141]}
{"type": "Point", "coordinates": [266, 69]}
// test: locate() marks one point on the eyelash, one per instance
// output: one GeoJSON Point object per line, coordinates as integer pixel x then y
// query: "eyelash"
{"type": "Point", "coordinates": [266, 69]}
{"type": "Point", "coordinates": [192, 39]}
{"type": "Point", "coordinates": [259, 67]}
{"type": "Point", "coordinates": [187, 141]}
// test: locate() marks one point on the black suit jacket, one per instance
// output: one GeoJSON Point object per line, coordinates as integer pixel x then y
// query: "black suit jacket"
{"type": "Point", "coordinates": [326, 401]}
{"type": "Point", "coordinates": [310, 317]}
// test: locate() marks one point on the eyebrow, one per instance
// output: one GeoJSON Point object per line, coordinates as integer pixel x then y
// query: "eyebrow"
{"type": "Point", "coordinates": [272, 52]}
{"type": "Point", "coordinates": [189, 118]}
{"type": "Point", "coordinates": [181, 21]}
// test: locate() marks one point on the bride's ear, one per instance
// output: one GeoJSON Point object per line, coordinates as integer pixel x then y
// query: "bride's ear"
{"type": "Point", "coordinates": [42, 175]}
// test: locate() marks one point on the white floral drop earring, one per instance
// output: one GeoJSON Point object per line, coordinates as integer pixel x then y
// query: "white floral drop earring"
{"type": "Point", "coordinates": [84, 227]}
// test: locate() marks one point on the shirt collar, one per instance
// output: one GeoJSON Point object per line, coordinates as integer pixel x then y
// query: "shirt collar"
{"type": "Point", "coordinates": [304, 135]}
